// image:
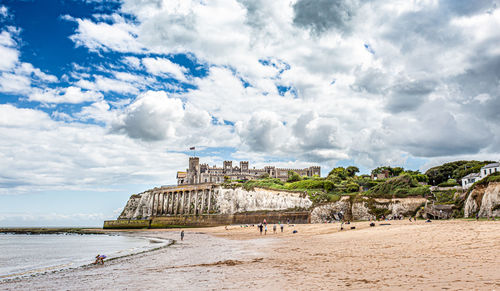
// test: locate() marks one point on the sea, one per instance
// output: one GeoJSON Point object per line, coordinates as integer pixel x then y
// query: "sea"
{"type": "Point", "coordinates": [25, 254]}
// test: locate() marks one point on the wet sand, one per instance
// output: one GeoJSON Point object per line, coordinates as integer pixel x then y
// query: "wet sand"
{"type": "Point", "coordinates": [456, 255]}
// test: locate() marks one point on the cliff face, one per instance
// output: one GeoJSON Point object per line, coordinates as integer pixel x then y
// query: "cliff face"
{"type": "Point", "coordinates": [230, 201]}
{"type": "Point", "coordinates": [366, 208]}
{"type": "Point", "coordinates": [484, 200]}
{"type": "Point", "coordinates": [226, 201]}
{"type": "Point", "coordinates": [138, 206]}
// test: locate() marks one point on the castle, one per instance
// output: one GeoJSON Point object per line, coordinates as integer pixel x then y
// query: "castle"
{"type": "Point", "coordinates": [201, 173]}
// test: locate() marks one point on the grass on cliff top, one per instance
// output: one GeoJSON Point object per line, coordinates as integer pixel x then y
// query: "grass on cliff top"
{"type": "Point", "coordinates": [332, 189]}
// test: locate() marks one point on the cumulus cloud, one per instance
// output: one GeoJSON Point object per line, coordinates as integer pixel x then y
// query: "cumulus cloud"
{"type": "Point", "coordinates": [152, 116]}
{"type": "Point", "coordinates": [41, 153]}
{"type": "Point", "coordinates": [375, 82]}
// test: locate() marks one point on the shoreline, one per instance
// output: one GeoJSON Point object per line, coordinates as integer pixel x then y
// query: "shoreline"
{"type": "Point", "coordinates": [50, 230]}
{"type": "Point", "coordinates": [51, 269]}
{"type": "Point", "coordinates": [455, 254]}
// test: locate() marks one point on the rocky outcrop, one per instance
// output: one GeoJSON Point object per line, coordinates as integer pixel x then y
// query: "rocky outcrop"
{"type": "Point", "coordinates": [330, 211]}
{"type": "Point", "coordinates": [484, 200]}
{"type": "Point", "coordinates": [366, 208]}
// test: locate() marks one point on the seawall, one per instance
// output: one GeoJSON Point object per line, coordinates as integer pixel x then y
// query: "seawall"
{"type": "Point", "coordinates": [206, 220]}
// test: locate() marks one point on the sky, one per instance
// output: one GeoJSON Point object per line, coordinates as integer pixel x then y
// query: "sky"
{"type": "Point", "coordinates": [103, 99]}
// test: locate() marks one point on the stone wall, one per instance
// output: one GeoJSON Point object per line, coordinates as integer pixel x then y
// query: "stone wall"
{"type": "Point", "coordinates": [209, 220]}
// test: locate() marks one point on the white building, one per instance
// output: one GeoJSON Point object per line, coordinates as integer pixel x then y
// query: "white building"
{"type": "Point", "coordinates": [470, 179]}
{"type": "Point", "coordinates": [489, 169]}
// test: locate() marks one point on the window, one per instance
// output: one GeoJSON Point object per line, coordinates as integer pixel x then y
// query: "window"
{"type": "Point", "coordinates": [485, 172]}
{"type": "Point", "coordinates": [490, 171]}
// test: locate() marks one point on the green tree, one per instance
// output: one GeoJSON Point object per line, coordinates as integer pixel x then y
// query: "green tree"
{"type": "Point", "coordinates": [338, 172]}
{"type": "Point", "coordinates": [454, 170]}
{"type": "Point", "coordinates": [352, 170]}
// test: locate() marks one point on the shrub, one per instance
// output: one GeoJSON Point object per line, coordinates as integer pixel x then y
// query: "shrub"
{"type": "Point", "coordinates": [445, 197]}
{"type": "Point", "coordinates": [266, 183]}
{"type": "Point", "coordinates": [449, 183]}
{"type": "Point", "coordinates": [306, 184]}
{"type": "Point", "coordinates": [293, 176]}
{"type": "Point", "coordinates": [328, 185]}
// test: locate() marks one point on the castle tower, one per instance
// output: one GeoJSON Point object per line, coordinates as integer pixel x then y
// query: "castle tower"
{"type": "Point", "coordinates": [194, 170]}
{"type": "Point", "coordinates": [228, 166]}
{"type": "Point", "coordinates": [244, 167]}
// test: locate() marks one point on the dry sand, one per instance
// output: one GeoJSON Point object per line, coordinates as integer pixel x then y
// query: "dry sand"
{"type": "Point", "coordinates": [456, 255]}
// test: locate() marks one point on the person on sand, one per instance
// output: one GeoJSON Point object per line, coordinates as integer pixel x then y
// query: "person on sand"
{"type": "Point", "coordinates": [260, 228]}
{"type": "Point", "coordinates": [281, 226]}
{"type": "Point", "coordinates": [182, 235]}
{"type": "Point", "coordinates": [265, 222]}
{"type": "Point", "coordinates": [265, 230]}
{"type": "Point", "coordinates": [274, 228]}
{"type": "Point", "coordinates": [99, 259]}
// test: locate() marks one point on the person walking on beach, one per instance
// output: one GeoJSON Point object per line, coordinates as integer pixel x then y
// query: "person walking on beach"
{"type": "Point", "coordinates": [281, 226]}
{"type": "Point", "coordinates": [260, 228]}
{"type": "Point", "coordinates": [265, 230]}
{"type": "Point", "coordinates": [274, 228]}
{"type": "Point", "coordinates": [182, 235]}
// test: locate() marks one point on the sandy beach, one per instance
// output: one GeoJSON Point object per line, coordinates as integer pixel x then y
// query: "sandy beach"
{"type": "Point", "coordinates": [455, 255]}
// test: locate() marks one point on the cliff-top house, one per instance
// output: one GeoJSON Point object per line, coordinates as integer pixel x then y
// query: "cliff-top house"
{"type": "Point", "coordinates": [470, 179]}
{"type": "Point", "coordinates": [202, 173]}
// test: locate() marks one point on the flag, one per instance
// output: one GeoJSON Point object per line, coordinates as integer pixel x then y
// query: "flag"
{"type": "Point", "coordinates": [191, 148]}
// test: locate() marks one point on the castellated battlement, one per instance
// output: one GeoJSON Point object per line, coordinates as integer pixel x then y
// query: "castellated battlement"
{"type": "Point", "coordinates": [202, 173]}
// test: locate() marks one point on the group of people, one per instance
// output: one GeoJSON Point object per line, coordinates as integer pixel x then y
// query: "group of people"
{"type": "Point", "coordinates": [263, 226]}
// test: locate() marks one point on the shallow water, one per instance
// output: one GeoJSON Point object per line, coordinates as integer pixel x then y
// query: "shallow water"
{"type": "Point", "coordinates": [22, 254]}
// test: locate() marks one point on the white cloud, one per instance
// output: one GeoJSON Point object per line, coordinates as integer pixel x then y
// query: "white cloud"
{"type": "Point", "coordinates": [106, 84]}
{"type": "Point", "coordinates": [119, 36]}
{"type": "Point", "coordinates": [164, 67]}
{"type": "Point", "coordinates": [70, 94]}
{"type": "Point", "coordinates": [297, 85]}
{"type": "Point", "coordinates": [40, 153]}
{"type": "Point", "coordinates": [8, 51]}
{"type": "Point", "coordinates": [4, 12]}
{"type": "Point", "coordinates": [12, 83]}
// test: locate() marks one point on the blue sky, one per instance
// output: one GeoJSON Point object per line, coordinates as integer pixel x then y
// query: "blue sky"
{"type": "Point", "coordinates": [102, 99]}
